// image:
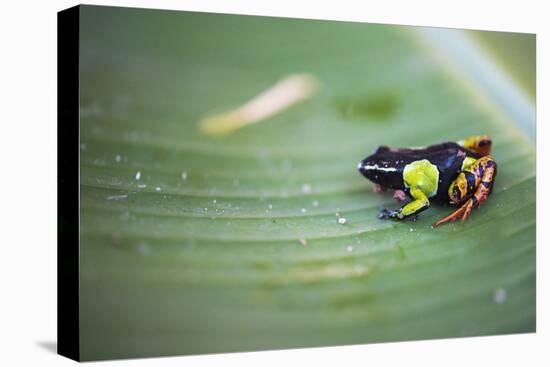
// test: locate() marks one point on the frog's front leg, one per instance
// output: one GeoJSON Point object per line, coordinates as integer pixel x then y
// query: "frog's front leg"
{"type": "Point", "coordinates": [474, 185]}
{"type": "Point", "coordinates": [419, 204]}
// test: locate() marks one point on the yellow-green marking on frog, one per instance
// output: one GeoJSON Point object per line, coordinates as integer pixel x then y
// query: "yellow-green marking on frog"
{"type": "Point", "coordinates": [468, 161]}
{"type": "Point", "coordinates": [422, 175]}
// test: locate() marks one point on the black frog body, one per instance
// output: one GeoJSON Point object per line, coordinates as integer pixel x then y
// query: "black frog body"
{"type": "Point", "coordinates": [385, 167]}
{"type": "Point", "coordinates": [446, 172]}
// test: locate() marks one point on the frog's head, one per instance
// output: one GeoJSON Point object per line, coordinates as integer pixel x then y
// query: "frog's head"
{"type": "Point", "coordinates": [383, 168]}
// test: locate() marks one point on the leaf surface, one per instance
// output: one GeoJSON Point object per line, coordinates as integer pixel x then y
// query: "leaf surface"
{"type": "Point", "coordinates": [230, 243]}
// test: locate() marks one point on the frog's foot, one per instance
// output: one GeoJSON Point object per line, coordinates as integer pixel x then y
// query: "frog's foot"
{"type": "Point", "coordinates": [386, 213]}
{"type": "Point", "coordinates": [399, 195]}
{"type": "Point", "coordinates": [378, 188]}
{"type": "Point", "coordinates": [463, 212]}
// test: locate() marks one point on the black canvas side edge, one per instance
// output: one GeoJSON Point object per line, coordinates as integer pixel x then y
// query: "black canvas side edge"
{"type": "Point", "coordinates": [68, 215]}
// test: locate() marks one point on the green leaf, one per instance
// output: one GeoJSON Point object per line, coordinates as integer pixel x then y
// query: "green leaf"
{"type": "Point", "coordinates": [230, 243]}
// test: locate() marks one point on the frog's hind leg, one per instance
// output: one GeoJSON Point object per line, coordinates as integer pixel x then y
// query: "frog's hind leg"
{"type": "Point", "coordinates": [481, 144]}
{"type": "Point", "coordinates": [480, 177]}
{"type": "Point", "coordinates": [453, 216]}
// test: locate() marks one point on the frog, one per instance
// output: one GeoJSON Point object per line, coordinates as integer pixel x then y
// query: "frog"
{"type": "Point", "coordinates": [461, 173]}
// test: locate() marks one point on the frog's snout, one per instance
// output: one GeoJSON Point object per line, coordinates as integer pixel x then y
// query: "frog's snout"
{"type": "Point", "coordinates": [369, 169]}
{"type": "Point", "coordinates": [380, 168]}
{"type": "Point", "coordinates": [364, 168]}
{"type": "Point", "coordinates": [361, 168]}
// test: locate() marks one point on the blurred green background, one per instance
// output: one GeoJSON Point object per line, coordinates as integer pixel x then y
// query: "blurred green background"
{"type": "Point", "coordinates": [230, 243]}
{"type": "Point", "coordinates": [514, 52]}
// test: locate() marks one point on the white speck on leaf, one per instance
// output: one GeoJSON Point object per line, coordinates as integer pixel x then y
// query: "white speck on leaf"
{"type": "Point", "coordinates": [117, 197]}
{"type": "Point", "coordinates": [142, 186]}
{"type": "Point", "coordinates": [342, 220]}
{"type": "Point", "coordinates": [500, 296]}
{"type": "Point", "coordinates": [304, 210]}
{"type": "Point", "coordinates": [184, 175]}
{"type": "Point", "coordinates": [349, 248]}
{"type": "Point", "coordinates": [118, 158]}
{"type": "Point", "coordinates": [214, 201]}
{"type": "Point", "coordinates": [270, 206]}
{"type": "Point", "coordinates": [302, 241]}
{"type": "Point", "coordinates": [138, 175]}
{"type": "Point", "coordinates": [315, 203]}
{"type": "Point", "coordinates": [157, 188]}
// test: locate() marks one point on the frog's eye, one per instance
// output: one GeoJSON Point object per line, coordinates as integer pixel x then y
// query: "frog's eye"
{"type": "Point", "coordinates": [382, 149]}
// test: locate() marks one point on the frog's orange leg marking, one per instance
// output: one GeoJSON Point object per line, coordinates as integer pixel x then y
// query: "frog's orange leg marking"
{"type": "Point", "coordinates": [481, 144]}
{"type": "Point", "coordinates": [451, 217]}
{"type": "Point", "coordinates": [479, 176]}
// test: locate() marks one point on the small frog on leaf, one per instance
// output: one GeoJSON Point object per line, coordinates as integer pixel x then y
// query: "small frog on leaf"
{"type": "Point", "coordinates": [456, 172]}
